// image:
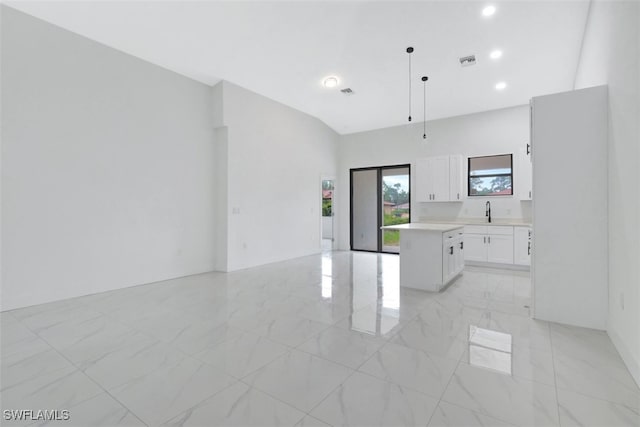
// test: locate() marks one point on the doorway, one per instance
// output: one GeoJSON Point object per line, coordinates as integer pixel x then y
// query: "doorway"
{"type": "Point", "coordinates": [327, 226]}
{"type": "Point", "coordinates": [379, 196]}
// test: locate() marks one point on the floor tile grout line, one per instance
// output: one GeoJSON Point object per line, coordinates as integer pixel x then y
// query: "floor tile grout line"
{"type": "Point", "coordinates": [132, 329]}
{"type": "Point", "coordinates": [120, 385]}
{"type": "Point", "coordinates": [358, 371]}
{"type": "Point", "coordinates": [580, 392]}
{"type": "Point", "coordinates": [449, 383]}
{"type": "Point", "coordinates": [93, 381]}
{"type": "Point", "coordinates": [353, 371]}
{"type": "Point", "coordinates": [444, 390]}
{"type": "Point", "coordinates": [555, 380]}
{"type": "Point", "coordinates": [200, 402]}
{"type": "Point", "coordinates": [282, 401]}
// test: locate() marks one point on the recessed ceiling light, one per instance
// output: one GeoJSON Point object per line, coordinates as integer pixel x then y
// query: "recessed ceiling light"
{"type": "Point", "coordinates": [489, 10]}
{"type": "Point", "coordinates": [501, 85]}
{"type": "Point", "coordinates": [330, 82]}
{"type": "Point", "coordinates": [496, 54]}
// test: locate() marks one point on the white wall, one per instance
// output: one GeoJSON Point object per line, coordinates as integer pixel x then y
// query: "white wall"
{"type": "Point", "coordinates": [107, 167]}
{"type": "Point", "coordinates": [492, 132]}
{"type": "Point", "coordinates": [610, 55]}
{"type": "Point", "coordinates": [276, 158]}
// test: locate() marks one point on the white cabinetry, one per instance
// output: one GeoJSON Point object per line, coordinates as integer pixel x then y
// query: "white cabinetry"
{"type": "Point", "coordinates": [455, 178]}
{"type": "Point", "coordinates": [522, 245]}
{"type": "Point", "coordinates": [525, 175]}
{"type": "Point", "coordinates": [439, 179]}
{"type": "Point", "coordinates": [570, 233]}
{"type": "Point", "coordinates": [475, 247]}
{"type": "Point", "coordinates": [431, 255]}
{"type": "Point", "coordinates": [500, 248]}
{"type": "Point", "coordinates": [489, 244]}
{"type": "Point", "coordinates": [452, 254]}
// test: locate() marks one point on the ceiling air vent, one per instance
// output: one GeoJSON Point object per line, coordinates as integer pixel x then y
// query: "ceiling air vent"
{"type": "Point", "coordinates": [467, 61]}
{"type": "Point", "coordinates": [347, 91]}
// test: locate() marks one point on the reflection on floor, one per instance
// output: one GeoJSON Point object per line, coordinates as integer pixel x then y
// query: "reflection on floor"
{"type": "Point", "coordinates": [322, 340]}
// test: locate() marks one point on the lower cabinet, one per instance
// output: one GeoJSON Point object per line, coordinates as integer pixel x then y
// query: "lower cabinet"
{"type": "Point", "coordinates": [489, 244]}
{"type": "Point", "coordinates": [430, 258]}
{"type": "Point", "coordinates": [500, 248]}
{"type": "Point", "coordinates": [522, 245]}
{"type": "Point", "coordinates": [452, 256]}
{"type": "Point", "coordinates": [475, 247]}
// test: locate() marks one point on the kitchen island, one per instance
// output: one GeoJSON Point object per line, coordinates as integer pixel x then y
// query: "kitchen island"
{"type": "Point", "coordinates": [431, 254]}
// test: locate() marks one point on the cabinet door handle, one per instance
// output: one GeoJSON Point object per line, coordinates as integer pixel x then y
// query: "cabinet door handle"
{"type": "Point", "coordinates": [461, 245]}
{"type": "Point", "coordinates": [529, 249]}
{"type": "Point", "coordinates": [458, 196]}
{"type": "Point", "coordinates": [450, 250]}
{"type": "Point", "coordinates": [529, 193]}
{"type": "Point", "coordinates": [484, 239]}
{"type": "Point", "coordinates": [528, 148]}
{"type": "Point", "coordinates": [489, 239]}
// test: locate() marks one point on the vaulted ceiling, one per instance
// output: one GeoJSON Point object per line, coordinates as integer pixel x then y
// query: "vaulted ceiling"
{"type": "Point", "coordinates": [285, 49]}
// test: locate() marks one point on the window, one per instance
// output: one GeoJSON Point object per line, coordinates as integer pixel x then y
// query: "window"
{"type": "Point", "coordinates": [490, 175]}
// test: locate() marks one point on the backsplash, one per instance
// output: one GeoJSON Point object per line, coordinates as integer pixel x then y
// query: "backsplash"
{"type": "Point", "coordinates": [505, 208]}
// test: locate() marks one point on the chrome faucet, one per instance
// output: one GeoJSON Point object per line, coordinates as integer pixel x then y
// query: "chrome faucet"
{"type": "Point", "coordinates": [487, 211]}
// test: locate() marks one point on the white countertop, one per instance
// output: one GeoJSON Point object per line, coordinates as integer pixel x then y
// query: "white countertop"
{"type": "Point", "coordinates": [420, 226]}
{"type": "Point", "coordinates": [479, 221]}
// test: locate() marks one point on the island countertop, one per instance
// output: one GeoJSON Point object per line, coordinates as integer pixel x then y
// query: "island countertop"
{"type": "Point", "coordinates": [421, 226]}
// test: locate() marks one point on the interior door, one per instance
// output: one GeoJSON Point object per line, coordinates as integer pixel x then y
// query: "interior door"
{"type": "Point", "coordinates": [327, 224]}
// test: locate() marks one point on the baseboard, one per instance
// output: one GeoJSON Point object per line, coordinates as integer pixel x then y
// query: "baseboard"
{"type": "Point", "coordinates": [516, 267]}
{"type": "Point", "coordinates": [633, 365]}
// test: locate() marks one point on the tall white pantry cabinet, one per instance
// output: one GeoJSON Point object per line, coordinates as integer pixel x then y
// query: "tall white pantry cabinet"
{"type": "Point", "coordinates": [569, 158]}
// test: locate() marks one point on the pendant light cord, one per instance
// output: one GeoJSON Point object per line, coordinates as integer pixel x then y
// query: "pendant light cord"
{"type": "Point", "coordinates": [424, 112]}
{"type": "Point", "coordinates": [409, 51]}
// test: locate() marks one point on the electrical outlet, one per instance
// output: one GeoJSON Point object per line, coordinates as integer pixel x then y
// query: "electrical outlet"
{"type": "Point", "coordinates": [622, 300]}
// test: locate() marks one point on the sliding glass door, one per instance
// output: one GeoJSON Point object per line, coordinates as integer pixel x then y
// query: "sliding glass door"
{"type": "Point", "coordinates": [379, 196]}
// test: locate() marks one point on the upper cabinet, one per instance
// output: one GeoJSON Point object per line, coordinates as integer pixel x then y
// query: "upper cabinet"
{"type": "Point", "coordinates": [526, 174]}
{"type": "Point", "coordinates": [455, 178]}
{"type": "Point", "coordinates": [438, 179]}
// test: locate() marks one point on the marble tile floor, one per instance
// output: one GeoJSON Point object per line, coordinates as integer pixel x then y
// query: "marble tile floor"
{"type": "Point", "coordinates": [329, 339]}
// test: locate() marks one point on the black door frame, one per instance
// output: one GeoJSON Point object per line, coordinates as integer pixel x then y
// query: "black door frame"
{"type": "Point", "coordinates": [379, 169]}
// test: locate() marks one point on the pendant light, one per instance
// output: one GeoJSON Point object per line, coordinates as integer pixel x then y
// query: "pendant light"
{"type": "Point", "coordinates": [409, 51]}
{"type": "Point", "coordinates": [424, 99]}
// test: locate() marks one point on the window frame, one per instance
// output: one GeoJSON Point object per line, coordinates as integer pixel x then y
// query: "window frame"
{"type": "Point", "coordinates": [490, 176]}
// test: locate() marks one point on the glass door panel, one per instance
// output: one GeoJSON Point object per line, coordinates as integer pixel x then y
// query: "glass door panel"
{"type": "Point", "coordinates": [395, 205]}
{"type": "Point", "coordinates": [364, 210]}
